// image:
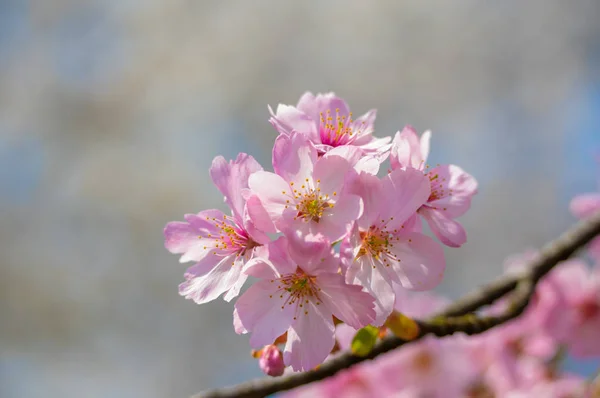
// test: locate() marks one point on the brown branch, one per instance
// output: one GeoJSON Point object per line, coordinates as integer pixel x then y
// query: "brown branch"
{"type": "Point", "coordinates": [456, 318]}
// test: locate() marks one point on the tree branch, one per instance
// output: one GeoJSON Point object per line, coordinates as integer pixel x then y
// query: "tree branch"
{"type": "Point", "coordinates": [456, 318]}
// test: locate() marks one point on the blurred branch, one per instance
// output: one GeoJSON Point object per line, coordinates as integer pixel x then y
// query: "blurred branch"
{"type": "Point", "coordinates": [457, 317]}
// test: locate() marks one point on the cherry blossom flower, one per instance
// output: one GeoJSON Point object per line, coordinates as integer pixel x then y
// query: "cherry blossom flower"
{"type": "Point", "coordinates": [218, 243]}
{"type": "Point", "coordinates": [584, 206]}
{"type": "Point", "coordinates": [326, 121]}
{"type": "Point", "coordinates": [379, 251]}
{"type": "Point", "coordinates": [574, 319]}
{"type": "Point", "coordinates": [451, 187]}
{"type": "Point", "coordinates": [299, 291]}
{"type": "Point", "coordinates": [360, 381]}
{"type": "Point", "coordinates": [430, 367]}
{"type": "Point", "coordinates": [306, 193]}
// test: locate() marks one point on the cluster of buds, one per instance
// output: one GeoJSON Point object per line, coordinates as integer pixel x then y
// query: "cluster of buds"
{"type": "Point", "coordinates": [284, 228]}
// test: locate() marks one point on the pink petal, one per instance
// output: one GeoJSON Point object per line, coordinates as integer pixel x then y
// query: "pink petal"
{"type": "Point", "coordinates": [260, 268]}
{"type": "Point", "coordinates": [413, 224]}
{"type": "Point", "coordinates": [310, 338]}
{"type": "Point", "coordinates": [259, 218]}
{"type": "Point", "coordinates": [191, 237]}
{"type": "Point", "coordinates": [425, 140]}
{"type": "Point", "coordinates": [273, 192]}
{"type": "Point", "coordinates": [451, 178]}
{"type": "Point", "coordinates": [365, 272]}
{"type": "Point", "coordinates": [334, 222]}
{"type": "Point", "coordinates": [257, 235]}
{"type": "Point", "coordinates": [278, 254]}
{"type": "Point", "coordinates": [332, 103]}
{"type": "Point", "coordinates": [448, 231]}
{"type": "Point", "coordinates": [422, 262]}
{"type": "Point", "coordinates": [294, 157]}
{"type": "Point", "coordinates": [368, 164]}
{"type": "Point", "coordinates": [585, 205]}
{"type": "Point", "coordinates": [344, 335]}
{"type": "Point", "coordinates": [406, 150]}
{"type": "Point", "coordinates": [407, 190]}
{"type": "Point", "coordinates": [378, 147]}
{"type": "Point", "coordinates": [331, 172]}
{"type": "Point", "coordinates": [289, 119]}
{"type": "Point", "coordinates": [208, 287]}
{"type": "Point", "coordinates": [232, 177]}
{"type": "Point", "coordinates": [349, 152]}
{"type": "Point", "coordinates": [370, 189]}
{"type": "Point", "coordinates": [309, 105]}
{"type": "Point", "coordinates": [203, 266]}
{"type": "Point", "coordinates": [347, 302]}
{"type": "Point", "coordinates": [313, 253]}
{"type": "Point", "coordinates": [365, 123]}
{"type": "Point", "coordinates": [262, 311]}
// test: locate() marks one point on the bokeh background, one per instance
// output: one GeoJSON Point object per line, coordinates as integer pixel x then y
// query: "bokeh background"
{"type": "Point", "coordinates": [111, 112]}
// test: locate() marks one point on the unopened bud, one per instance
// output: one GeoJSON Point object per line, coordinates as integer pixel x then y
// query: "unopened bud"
{"type": "Point", "coordinates": [271, 361]}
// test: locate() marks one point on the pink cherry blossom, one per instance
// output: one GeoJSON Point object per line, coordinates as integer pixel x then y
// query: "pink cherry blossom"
{"type": "Point", "coordinates": [379, 251]}
{"type": "Point", "coordinates": [574, 319]}
{"type": "Point", "coordinates": [218, 243]}
{"type": "Point", "coordinates": [584, 206]}
{"type": "Point", "coordinates": [298, 292]}
{"type": "Point", "coordinates": [451, 187]}
{"type": "Point", "coordinates": [360, 381]}
{"type": "Point", "coordinates": [326, 120]}
{"type": "Point", "coordinates": [306, 193]}
{"type": "Point", "coordinates": [568, 385]}
{"type": "Point", "coordinates": [431, 367]}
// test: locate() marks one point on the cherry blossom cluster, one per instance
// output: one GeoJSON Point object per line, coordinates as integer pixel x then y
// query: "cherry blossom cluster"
{"type": "Point", "coordinates": [325, 238]}
{"type": "Point", "coordinates": [519, 359]}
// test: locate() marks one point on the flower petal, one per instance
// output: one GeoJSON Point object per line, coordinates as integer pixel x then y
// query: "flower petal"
{"type": "Point", "coordinates": [586, 205]}
{"type": "Point", "coordinates": [294, 157]}
{"type": "Point", "coordinates": [232, 177]}
{"type": "Point", "coordinates": [406, 150]}
{"type": "Point", "coordinates": [289, 119]}
{"type": "Point", "coordinates": [448, 231]}
{"type": "Point", "coordinates": [313, 253]}
{"type": "Point", "coordinates": [365, 272]}
{"type": "Point", "coordinates": [422, 262]}
{"type": "Point", "coordinates": [278, 254]}
{"type": "Point", "coordinates": [273, 192]}
{"type": "Point", "coordinates": [370, 189]}
{"type": "Point", "coordinates": [262, 311]}
{"type": "Point", "coordinates": [453, 188]}
{"type": "Point", "coordinates": [334, 223]}
{"type": "Point", "coordinates": [208, 287]}
{"type": "Point", "coordinates": [425, 140]}
{"type": "Point", "coordinates": [347, 302]}
{"type": "Point", "coordinates": [407, 190]}
{"type": "Point", "coordinates": [310, 338]}
{"type": "Point", "coordinates": [259, 218]}
{"type": "Point", "coordinates": [309, 105]}
{"type": "Point", "coordinates": [330, 173]}
{"type": "Point", "coordinates": [192, 237]}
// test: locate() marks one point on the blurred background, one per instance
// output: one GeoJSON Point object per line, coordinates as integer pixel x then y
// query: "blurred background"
{"type": "Point", "coordinates": [111, 112]}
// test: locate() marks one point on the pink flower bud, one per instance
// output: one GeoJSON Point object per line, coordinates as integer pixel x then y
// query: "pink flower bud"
{"type": "Point", "coordinates": [271, 361]}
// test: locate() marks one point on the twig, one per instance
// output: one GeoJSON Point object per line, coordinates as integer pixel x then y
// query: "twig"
{"type": "Point", "coordinates": [456, 318]}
